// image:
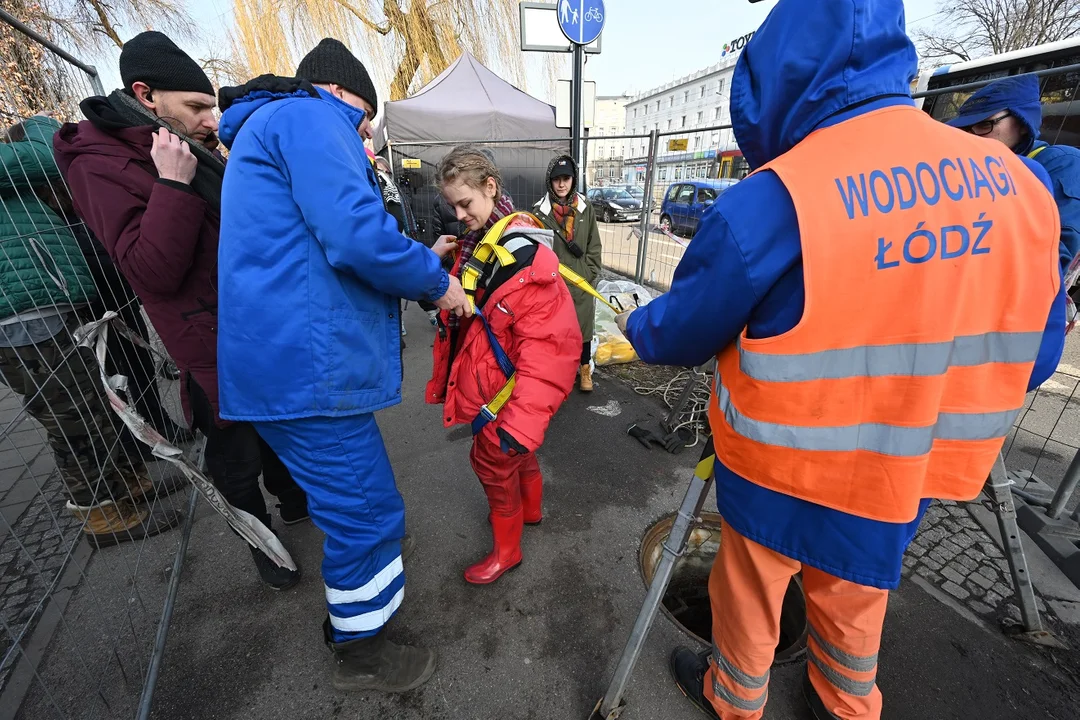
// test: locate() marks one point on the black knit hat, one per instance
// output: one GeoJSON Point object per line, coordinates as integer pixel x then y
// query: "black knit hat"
{"type": "Point", "coordinates": [331, 62]}
{"type": "Point", "coordinates": [151, 57]}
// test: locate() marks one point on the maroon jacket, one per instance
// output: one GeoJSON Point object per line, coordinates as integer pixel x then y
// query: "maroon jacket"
{"type": "Point", "coordinates": [162, 236]}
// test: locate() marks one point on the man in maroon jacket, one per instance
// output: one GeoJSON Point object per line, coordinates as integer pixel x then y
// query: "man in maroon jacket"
{"type": "Point", "coordinates": [146, 179]}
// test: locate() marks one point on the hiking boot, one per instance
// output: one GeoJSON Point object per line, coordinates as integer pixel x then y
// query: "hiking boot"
{"type": "Point", "coordinates": [688, 669]}
{"type": "Point", "coordinates": [144, 488]}
{"type": "Point", "coordinates": [814, 701]}
{"type": "Point", "coordinates": [278, 578]}
{"type": "Point", "coordinates": [586, 378]}
{"type": "Point", "coordinates": [375, 663]}
{"type": "Point", "coordinates": [506, 555]}
{"type": "Point", "coordinates": [294, 510]}
{"type": "Point", "coordinates": [113, 522]}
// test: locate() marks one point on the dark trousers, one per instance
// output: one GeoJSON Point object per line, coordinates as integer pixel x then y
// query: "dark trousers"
{"type": "Point", "coordinates": [62, 390]}
{"type": "Point", "coordinates": [586, 352]}
{"type": "Point", "coordinates": [235, 457]}
{"type": "Point", "coordinates": [124, 357]}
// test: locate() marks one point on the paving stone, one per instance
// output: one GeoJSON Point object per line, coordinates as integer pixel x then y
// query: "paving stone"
{"type": "Point", "coordinates": [964, 540]}
{"type": "Point", "coordinates": [932, 564]}
{"type": "Point", "coordinates": [938, 555]}
{"type": "Point", "coordinates": [950, 548]}
{"type": "Point", "coordinates": [933, 535]}
{"type": "Point", "coordinates": [989, 572]}
{"type": "Point", "coordinates": [916, 550]}
{"type": "Point", "coordinates": [910, 561]}
{"type": "Point", "coordinates": [955, 590]}
{"type": "Point", "coordinates": [1002, 589]}
{"type": "Point", "coordinates": [981, 580]}
{"type": "Point", "coordinates": [980, 607]}
{"type": "Point", "coordinates": [992, 598]}
{"type": "Point", "coordinates": [950, 573]}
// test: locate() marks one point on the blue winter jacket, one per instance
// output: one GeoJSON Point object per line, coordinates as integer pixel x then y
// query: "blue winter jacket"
{"type": "Point", "coordinates": [310, 266]}
{"type": "Point", "coordinates": [813, 63]}
{"type": "Point", "coordinates": [1020, 95]}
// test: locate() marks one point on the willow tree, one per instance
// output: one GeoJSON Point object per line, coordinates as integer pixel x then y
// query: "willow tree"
{"type": "Point", "coordinates": [406, 42]}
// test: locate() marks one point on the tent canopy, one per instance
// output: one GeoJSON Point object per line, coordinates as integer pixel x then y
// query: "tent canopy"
{"type": "Point", "coordinates": [468, 102]}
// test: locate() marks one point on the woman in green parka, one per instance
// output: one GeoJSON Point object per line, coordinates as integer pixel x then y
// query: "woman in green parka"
{"type": "Point", "coordinates": [577, 243]}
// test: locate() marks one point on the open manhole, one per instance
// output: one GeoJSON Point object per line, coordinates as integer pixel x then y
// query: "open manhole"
{"type": "Point", "coordinates": [686, 601]}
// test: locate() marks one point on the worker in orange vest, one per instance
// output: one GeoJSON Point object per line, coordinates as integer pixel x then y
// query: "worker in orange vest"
{"type": "Point", "coordinates": [880, 295]}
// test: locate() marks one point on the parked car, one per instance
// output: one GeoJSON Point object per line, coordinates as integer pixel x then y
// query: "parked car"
{"type": "Point", "coordinates": [685, 203]}
{"type": "Point", "coordinates": [614, 204]}
{"type": "Point", "coordinates": [636, 190]}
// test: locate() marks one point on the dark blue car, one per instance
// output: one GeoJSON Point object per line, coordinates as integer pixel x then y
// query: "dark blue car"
{"type": "Point", "coordinates": [685, 202]}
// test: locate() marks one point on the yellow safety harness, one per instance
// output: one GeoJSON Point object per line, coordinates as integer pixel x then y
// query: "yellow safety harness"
{"type": "Point", "coordinates": [1031, 155]}
{"type": "Point", "coordinates": [487, 252]}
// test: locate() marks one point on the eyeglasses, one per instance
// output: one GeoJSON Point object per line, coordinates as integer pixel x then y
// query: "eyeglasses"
{"type": "Point", "coordinates": [985, 127]}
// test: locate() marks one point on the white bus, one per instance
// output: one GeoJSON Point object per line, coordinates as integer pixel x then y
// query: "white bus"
{"type": "Point", "coordinates": [1061, 104]}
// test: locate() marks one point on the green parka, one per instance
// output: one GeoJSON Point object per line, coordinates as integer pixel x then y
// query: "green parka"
{"type": "Point", "coordinates": [41, 264]}
{"type": "Point", "coordinates": [586, 237]}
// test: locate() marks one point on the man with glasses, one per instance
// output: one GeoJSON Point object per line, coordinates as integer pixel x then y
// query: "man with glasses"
{"type": "Point", "coordinates": [1009, 110]}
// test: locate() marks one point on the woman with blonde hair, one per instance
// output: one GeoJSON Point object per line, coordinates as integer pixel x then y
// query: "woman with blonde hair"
{"type": "Point", "coordinates": [507, 369]}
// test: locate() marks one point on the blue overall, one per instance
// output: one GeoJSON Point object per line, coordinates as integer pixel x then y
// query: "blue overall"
{"type": "Point", "coordinates": [310, 271]}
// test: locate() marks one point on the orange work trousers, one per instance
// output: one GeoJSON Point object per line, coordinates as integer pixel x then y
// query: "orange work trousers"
{"type": "Point", "coordinates": [746, 588]}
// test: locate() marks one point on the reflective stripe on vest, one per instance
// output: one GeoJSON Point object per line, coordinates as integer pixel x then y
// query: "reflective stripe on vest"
{"type": "Point", "coordinates": [929, 275]}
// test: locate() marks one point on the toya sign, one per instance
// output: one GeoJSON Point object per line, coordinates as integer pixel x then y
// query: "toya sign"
{"type": "Point", "coordinates": [730, 48]}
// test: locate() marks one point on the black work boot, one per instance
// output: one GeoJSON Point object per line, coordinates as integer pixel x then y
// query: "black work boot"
{"type": "Point", "coordinates": [375, 663]}
{"type": "Point", "coordinates": [814, 702]}
{"type": "Point", "coordinates": [278, 578]}
{"type": "Point", "coordinates": [293, 508]}
{"type": "Point", "coordinates": [688, 669]}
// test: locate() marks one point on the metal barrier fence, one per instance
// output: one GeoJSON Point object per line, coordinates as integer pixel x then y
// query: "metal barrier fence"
{"type": "Point", "coordinates": [81, 629]}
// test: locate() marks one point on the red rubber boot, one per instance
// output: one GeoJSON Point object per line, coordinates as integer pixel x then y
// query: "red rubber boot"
{"type": "Point", "coordinates": [506, 555]}
{"type": "Point", "coordinates": [532, 492]}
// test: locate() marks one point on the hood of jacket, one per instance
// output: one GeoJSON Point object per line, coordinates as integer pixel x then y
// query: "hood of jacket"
{"type": "Point", "coordinates": [106, 131]}
{"type": "Point", "coordinates": [810, 60]}
{"type": "Point", "coordinates": [240, 103]}
{"type": "Point", "coordinates": [1018, 94]}
{"type": "Point", "coordinates": [573, 178]}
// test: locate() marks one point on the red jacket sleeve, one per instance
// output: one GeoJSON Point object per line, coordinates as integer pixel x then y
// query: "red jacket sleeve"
{"type": "Point", "coordinates": [548, 348]}
{"type": "Point", "coordinates": [153, 241]}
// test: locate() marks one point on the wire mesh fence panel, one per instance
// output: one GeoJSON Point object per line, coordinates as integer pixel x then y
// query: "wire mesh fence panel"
{"type": "Point", "coordinates": [522, 165]}
{"type": "Point", "coordinates": [616, 191]}
{"type": "Point", "coordinates": [1046, 436]}
{"type": "Point", "coordinates": [83, 529]}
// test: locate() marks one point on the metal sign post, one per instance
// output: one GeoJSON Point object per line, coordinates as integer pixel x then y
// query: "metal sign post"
{"type": "Point", "coordinates": [581, 21]}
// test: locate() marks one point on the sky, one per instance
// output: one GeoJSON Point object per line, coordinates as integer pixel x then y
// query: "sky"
{"type": "Point", "coordinates": [639, 50]}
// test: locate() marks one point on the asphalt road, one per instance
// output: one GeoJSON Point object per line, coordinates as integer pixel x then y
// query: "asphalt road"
{"type": "Point", "coordinates": [539, 643]}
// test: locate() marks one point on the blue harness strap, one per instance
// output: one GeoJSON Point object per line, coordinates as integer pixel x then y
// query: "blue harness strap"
{"type": "Point", "coordinates": [491, 410]}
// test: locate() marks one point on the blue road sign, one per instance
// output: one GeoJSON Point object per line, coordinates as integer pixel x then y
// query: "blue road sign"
{"type": "Point", "coordinates": [581, 21]}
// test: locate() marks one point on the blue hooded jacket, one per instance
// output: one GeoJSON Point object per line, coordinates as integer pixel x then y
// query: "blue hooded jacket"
{"type": "Point", "coordinates": [1020, 96]}
{"type": "Point", "coordinates": [310, 265]}
{"type": "Point", "coordinates": [813, 63]}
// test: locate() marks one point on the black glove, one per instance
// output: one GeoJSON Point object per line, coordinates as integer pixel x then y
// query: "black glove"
{"type": "Point", "coordinates": [643, 436]}
{"type": "Point", "coordinates": [509, 445]}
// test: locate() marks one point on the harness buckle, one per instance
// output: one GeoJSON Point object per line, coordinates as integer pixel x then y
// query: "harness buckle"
{"type": "Point", "coordinates": [487, 414]}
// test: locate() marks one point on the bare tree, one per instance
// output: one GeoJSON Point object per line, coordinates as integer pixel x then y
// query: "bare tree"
{"type": "Point", "coordinates": [407, 41]}
{"type": "Point", "coordinates": [967, 29]}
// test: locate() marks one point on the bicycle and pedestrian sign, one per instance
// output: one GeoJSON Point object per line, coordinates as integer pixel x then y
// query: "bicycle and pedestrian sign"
{"type": "Point", "coordinates": [581, 21]}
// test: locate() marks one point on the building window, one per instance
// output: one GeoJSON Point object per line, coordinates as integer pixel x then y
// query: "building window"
{"type": "Point", "coordinates": [683, 121]}
{"type": "Point", "coordinates": [700, 116]}
{"type": "Point", "coordinates": [720, 87]}
{"type": "Point", "coordinates": [719, 112]}
{"type": "Point", "coordinates": [663, 173]}
{"type": "Point", "coordinates": [686, 96]}
{"type": "Point", "coordinates": [702, 91]}
{"type": "Point", "coordinates": [669, 124]}
{"type": "Point", "coordinates": [697, 142]}
{"type": "Point", "coordinates": [635, 112]}
{"type": "Point", "coordinates": [671, 101]}
{"type": "Point", "coordinates": [678, 172]}
{"type": "Point", "coordinates": [611, 151]}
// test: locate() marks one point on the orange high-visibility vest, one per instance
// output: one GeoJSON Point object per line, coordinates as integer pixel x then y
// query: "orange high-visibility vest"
{"type": "Point", "coordinates": [930, 262]}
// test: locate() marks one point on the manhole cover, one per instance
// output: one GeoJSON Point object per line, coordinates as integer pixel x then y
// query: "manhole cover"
{"type": "Point", "coordinates": [686, 601]}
